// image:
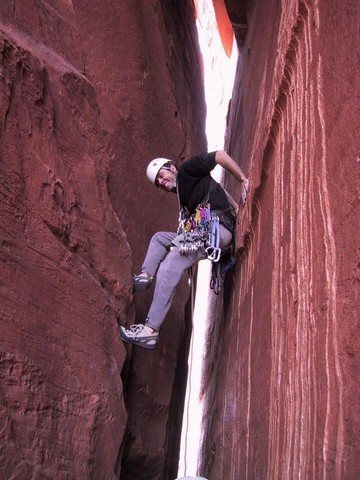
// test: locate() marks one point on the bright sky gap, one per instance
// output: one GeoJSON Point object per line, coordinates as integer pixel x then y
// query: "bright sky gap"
{"type": "Point", "coordinates": [219, 73]}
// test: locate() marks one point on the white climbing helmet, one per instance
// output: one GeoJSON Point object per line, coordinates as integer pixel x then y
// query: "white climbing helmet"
{"type": "Point", "coordinates": [154, 167]}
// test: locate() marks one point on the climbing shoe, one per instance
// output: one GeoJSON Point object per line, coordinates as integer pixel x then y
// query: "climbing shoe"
{"type": "Point", "coordinates": [141, 282]}
{"type": "Point", "coordinates": [136, 335]}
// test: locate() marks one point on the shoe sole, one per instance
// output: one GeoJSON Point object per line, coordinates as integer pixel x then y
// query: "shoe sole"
{"type": "Point", "coordinates": [137, 287]}
{"type": "Point", "coordinates": [136, 342]}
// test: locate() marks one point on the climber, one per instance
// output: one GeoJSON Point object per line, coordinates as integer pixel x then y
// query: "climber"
{"type": "Point", "coordinates": [200, 197]}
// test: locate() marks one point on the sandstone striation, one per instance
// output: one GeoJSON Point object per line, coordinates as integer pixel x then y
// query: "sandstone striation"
{"type": "Point", "coordinates": [282, 387]}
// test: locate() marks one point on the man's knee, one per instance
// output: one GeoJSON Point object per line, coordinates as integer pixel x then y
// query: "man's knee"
{"type": "Point", "coordinates": [162, 237]}
{"type": "Point", "coordinates": [176, 263]}
{"type": "Point", "coordinates": [171, 263]}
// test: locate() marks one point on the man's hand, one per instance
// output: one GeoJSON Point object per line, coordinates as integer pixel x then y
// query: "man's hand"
{"type": "Point", "coordinates": [244, 190]}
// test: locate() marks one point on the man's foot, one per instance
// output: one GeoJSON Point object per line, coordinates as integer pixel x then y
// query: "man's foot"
{"type": "Point", "coordinates": [141, 335]}
{"type": "Point", "coordinates": [141, 282]}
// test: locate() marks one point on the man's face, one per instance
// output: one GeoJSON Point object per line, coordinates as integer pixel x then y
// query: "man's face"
{"type": "Point", "coordinates": [166, 179]}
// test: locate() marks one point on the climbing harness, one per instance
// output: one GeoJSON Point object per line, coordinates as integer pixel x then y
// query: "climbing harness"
{"type": "Point", "coordinates": [202, 230]}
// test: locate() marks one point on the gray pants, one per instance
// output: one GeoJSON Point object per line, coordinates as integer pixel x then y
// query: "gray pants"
{"type": "Point", "coordinates": [170, 265]}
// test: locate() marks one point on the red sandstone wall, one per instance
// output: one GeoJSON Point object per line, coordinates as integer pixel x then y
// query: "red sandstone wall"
{"type": "Point", "coordinates": [283, 393]}
{"type": "Point", "coordinates": [65, 268]}
{"type": "Point", "coordinates": [89, 92]}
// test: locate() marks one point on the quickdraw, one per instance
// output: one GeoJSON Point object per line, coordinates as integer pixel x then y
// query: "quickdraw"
{"type": "Point", "coordinates": [213, 251]}
{"type": "Point", "coordinates": [219, 269]}
{"type": "Point", "coordinates": [216, 278]}
{"type": "Point", "coordinates": [201, 230]}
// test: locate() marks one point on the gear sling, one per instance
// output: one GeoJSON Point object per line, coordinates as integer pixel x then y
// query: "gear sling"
{"type": "Point", "coordinates": [202, 230]}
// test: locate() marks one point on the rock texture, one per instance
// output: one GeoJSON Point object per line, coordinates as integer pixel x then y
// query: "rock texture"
{"type": "Point", "coordinates": [224, 26]}
{"type": "Point", "coordinates": [65, 272]}
{"type": "Point", "coordinates": [282, 387]}
{"type": "Point", "coordinates": [89, 92]}
{"type": "Point", "coordinates": [237, 12]}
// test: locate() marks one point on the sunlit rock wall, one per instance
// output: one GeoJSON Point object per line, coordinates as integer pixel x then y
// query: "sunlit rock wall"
{"type": "Point", "coordinates": [89, 91]}
{"type": "Point", "coordinates": [282, 384]}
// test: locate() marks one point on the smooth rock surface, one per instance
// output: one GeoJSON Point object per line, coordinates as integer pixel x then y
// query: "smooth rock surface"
{"type": "Point", "coordinates": [281, 383]}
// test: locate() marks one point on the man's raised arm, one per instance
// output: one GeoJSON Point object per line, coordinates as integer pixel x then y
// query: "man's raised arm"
{"type": "Point", "coordinates": [223, 159]}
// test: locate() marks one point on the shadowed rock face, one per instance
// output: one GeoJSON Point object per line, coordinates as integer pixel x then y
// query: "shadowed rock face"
{"type": "Point", "coordinates": [283, 392]}
{"type": "Point", "coordinates": [237, 11]}
{"type": "Point", "coordinates": [89, 92]}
